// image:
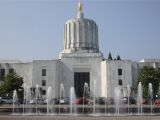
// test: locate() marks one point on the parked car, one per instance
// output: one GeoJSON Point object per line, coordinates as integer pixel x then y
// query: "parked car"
{"type": "Point", "coordinates": [7, 100]}
{"type": "Point", "coordinates": [32, 101]}
{"type": "Point", "coordinates": [67, 100]}
{"type": "Point", "coordinates": [157, 101]}
{"type": "Point", "coordinates": [145, 101]}
{"type": "Point", "coordinates": [124, 100]}
{"type": "Point", "coordinates": [91, 101]}
{"type": "Point", "coordinates": [82, 101]}
{"type": "Point", "coordinates": [1, 100]}
{"type": "Point", "coordinates": [109, 101]}
{"type": "Point", "coordinates": [41, 102]}
{"type": "Point", "coordinates": [132, 100]}
{"type": "Point", "coordinates": [100, 101]}
{"type": "Point", "coordinates": [56, 101]}
{"type": "Point", "coordinates": [61, 101]}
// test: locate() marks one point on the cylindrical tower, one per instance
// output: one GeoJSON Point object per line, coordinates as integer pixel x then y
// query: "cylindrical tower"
{"type": "Point", "coordinates": [80, 34]}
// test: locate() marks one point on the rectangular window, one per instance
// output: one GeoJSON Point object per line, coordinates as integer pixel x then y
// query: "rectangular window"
{"type": "Point", "coordinates": [43, 82]}
{"type": "Point", "coordinates": [119, 71]}
{"type": "Point", "coordinates": [43, 72]}
{"type": "Point", "coordinates": [11, 70]}
{"type": "Point", "coordinates": [120, 82]}
{"type": "Point", "coordinates": [43, 92]}
{"type": "Point", "coordinates": [2, 74]}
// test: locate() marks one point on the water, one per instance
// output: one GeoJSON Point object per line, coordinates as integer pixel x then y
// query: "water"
{"type": "Point", "coordinates": [117, 98]}
{"type": "Point", "coordinates": [28, 95]}
{"type": "Point", "coordinates": [73, 107]}
{"type": "Point", "coordinates": [106, 99]}
{"type": "Point", "coordinates": [94, 98]}
{"type": "Point", "coordinates": [49, 101]}
{"type": "Point", "coordinates": [128, 95]}
{"type": "Point", "coordinates": [15, 100]}
{"type": "Point", "coordinates": [37, 93]}
{"type": "Point", "coordinates": [139, 98]}
{"type": "Point", "coordinates": [28, 99]}
{"type": "Point", "coordinates": [24, 97]}
{"type": "Point", "coordinates": [61, 97]}
{"type": "Point", "coordinates": [150, 95]}
{"type": "Point", "coordinates": [85, 93]}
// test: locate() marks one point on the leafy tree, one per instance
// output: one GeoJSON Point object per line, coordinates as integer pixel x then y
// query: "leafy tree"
{"type": "Point", "coordinates": [110, 56]}
{"type": "Point", "coordinates": [11, 82]}
{"type": "Point", "coordinates": [118, 57]}
{"type": "Point", "coordinates": [148, 75]}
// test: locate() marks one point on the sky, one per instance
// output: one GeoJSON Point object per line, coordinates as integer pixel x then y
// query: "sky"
{"type": "Point", "coordinates": [33, 29]}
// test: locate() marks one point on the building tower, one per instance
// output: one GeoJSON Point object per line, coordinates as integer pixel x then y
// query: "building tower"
{"type": "Point", "coordinates": [81, 34]}
{"type": "Point", "coordinates": [81, 58]}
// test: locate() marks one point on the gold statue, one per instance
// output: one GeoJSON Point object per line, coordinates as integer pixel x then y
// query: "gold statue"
{"type": "Point", "coordinates": [80, 6]}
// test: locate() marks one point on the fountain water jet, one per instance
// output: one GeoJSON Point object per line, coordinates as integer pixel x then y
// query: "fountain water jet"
{"type": "Point", "coordinates": [117, 93]}
{"type": "Point", "coordinates": [24, 97]}
{"type": "Point", "coordinates": [61, 96]}
{"type": "Point", "coordinates": [49, 100]}
{"type": "Point", "coordinates": [73, 108]}
{"type": "Point", "coordinates": [94, 98]}
{"type": "Point", "coordinates": [151, 95]}
{"type": "Point", "coordinates": [15, 99]}
{"type": "Point", "coordinates": [37, 93]}
{"type": "Point", "coordinates": [139, 99]}
{"type": "Point", "coordinates": [85, 93]}
{"type": "Point", "coordinates": [28, 99]}
{"type": "Point", "coordinates": [128, 95]}
{"type": "Point", "coordinates": [106, 99]}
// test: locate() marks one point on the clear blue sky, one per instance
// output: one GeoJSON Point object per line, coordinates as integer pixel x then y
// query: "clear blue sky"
{"type": "Point", "coordinates": [33, 29]}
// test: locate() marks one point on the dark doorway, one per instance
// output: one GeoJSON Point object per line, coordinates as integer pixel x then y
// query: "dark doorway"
{"type": "Point", "coordinates": [79, 79]}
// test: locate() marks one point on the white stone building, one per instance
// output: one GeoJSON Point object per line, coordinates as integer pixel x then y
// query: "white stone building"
{"type": "Point", "coordinates": [81, 61]}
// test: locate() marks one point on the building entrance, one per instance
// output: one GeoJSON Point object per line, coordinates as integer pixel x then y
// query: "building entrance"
{"type": "Point", "coordinates": [79, 80]}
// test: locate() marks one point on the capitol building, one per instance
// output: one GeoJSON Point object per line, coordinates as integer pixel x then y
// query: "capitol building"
{"type": "Point", "coordinates": [80, 62]}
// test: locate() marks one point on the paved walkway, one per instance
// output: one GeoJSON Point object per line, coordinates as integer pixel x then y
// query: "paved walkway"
{"type": "Point", "coordinates": [12, 117]}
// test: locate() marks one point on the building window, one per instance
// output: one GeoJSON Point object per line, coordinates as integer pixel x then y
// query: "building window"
{"type": "Point", "coordinates": [120, 82]}
{"type": "Point", "coordinates": [43, 72]}
{"type": "Point", "coordinates": [2, 73]}
{"type": "Point", "coordinates": [119, 71]}
{"type": "Point", "coordinates": [43, 82]}
{"type": "Point", "coordinates": [43, 92]}
{"type": "Point", "coordinates": [11, 70]}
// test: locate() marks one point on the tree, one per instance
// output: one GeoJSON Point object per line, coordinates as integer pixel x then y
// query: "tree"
{"type": "Point", "coordinates": [148, 75]}
{"type": "Point", "coordinates": [110, 56]}
{"type": "Point", "coordinates": [118, 57]}
{"type": "Point", "coordinates": [11, 82]}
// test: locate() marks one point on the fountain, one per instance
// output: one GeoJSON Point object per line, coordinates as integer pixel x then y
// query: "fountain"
{"type": "Point", "coordinates": [117, 98]}
{"type": "Point", "coordinates": [61, 96]}
{"type": "Point", "coordinates": [139, 98]}
{"type": "Point", "coordinates": [94, 98]}
{"type": "Point", "coordinates": [24, 97]}
{"type": "Point", "coordinates": [15, 100]}
{"type": "Point", "coordinates": [49, 100]}
{"type": "Point", "coordinates": [85, 93]}
{"type": "Point", "coordinates": [37, 93]}
{"type": "Point", "coordinates": [106, 99]}
{"type": "Point", "coordinates": [150, 95]}
{"type": "Point", "coordinates": [128, 95]}
{"type": "Point", "coordinates": [27, 107]}
{"type": "Point", "coordinates": [73, 108]}
{"type": "Point", "coordinates": [28, 98]}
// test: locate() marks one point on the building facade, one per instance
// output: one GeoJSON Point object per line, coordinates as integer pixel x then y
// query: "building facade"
{"type": "Point", "coordinates": [80, 62]}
